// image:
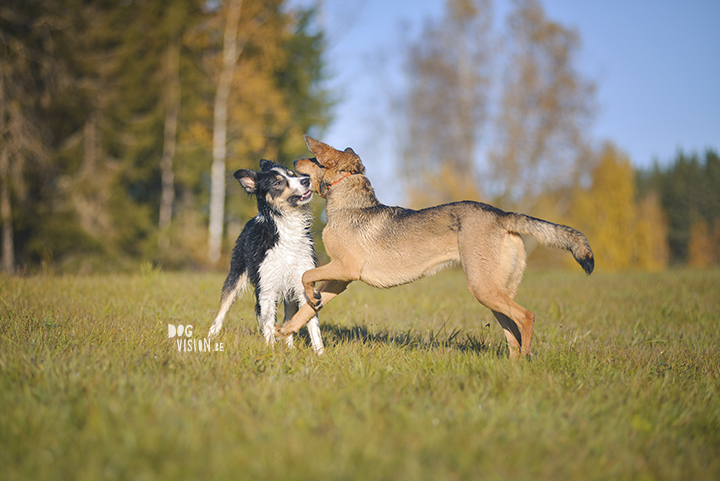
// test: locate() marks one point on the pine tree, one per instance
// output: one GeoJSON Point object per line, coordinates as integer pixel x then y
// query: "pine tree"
{"type": "Point", "coordinates": [689, 194]}
{"type": "Point", "coordinates": [33, 69]}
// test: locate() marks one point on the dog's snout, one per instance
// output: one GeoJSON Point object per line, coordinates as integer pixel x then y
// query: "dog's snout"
{"type": "Point", "coordinates": [295, 164]}
{"type": "Point", "coordinates": [305, 181]}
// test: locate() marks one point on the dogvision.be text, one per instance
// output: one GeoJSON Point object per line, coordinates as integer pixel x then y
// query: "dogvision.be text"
{"type": "Point", "coordinates": [185, 343]}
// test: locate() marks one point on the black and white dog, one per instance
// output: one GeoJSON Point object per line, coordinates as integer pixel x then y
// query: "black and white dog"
{"type": "Point", "coordinates": [273, 250]}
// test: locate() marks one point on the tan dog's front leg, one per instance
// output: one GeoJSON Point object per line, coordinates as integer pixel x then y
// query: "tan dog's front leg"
{"type": "Point", "coordinates": [328, 291]}
{"type": "Point", "coordinates": [314, 298]}
{"type": "Point", "coordinates": [301, 317]}
{"type": "Point", "coordinates": [333, 271]}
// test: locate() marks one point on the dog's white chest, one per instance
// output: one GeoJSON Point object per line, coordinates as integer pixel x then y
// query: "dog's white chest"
{"type": "Point", "coordinates": [284, 263]}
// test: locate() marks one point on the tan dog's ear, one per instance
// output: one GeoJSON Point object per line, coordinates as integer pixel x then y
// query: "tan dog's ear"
{"type": "Point", "coordinates": [320, 150]}
{"type": "Point", "coordinates": [350, 162]}
{"type": "Point", "coordinates": [328, 157]}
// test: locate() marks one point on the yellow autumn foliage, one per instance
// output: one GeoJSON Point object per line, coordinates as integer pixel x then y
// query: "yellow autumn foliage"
{"type": "Point", "coordinates": [701, 251]}
{"type": "Point", "coordinates": [446, 184]}
{"type": "Point", "coordinates": [652, 252]}
{"type": "Point", "coordinates": [624, 233]}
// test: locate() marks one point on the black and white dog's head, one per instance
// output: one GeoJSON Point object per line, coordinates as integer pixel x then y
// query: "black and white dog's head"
{"type": "Point", "coordinates": [279, 187]}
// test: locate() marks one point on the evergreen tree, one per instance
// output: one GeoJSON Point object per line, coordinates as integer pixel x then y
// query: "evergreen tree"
{"type": "Point", "coordinates": [690, 197]}
{"type": "Point", "coordinates": [35, 40]}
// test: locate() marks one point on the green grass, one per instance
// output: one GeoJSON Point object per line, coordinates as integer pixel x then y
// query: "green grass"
{"type": "Point", "coordinates": [414, 384]}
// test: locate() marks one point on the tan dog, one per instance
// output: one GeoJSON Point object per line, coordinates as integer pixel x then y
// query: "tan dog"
{"type": "Point", "coordinates": [389, 246]}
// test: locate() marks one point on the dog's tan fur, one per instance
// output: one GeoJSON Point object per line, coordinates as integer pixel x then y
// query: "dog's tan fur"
{"type": "Point", "coordinates": [389, 246]}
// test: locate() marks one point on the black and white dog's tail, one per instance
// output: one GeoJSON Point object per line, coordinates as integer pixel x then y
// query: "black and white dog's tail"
{"type": "Point", "coordinates": [235, 284]}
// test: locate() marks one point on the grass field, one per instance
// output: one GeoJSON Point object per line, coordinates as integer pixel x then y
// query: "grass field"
{"type": "Point", "coordinates": [415, 383]}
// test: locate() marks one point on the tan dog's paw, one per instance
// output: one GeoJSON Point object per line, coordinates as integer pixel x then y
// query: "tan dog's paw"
{"type": "Point", "coordinates": [281, 332]}
{"type": "Point", "coordinates": [315, 300]}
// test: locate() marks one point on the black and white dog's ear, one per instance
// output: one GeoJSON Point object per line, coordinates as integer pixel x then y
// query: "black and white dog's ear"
{"type": "Point", "coordinates": [248, 179]}
{"type": "Point", "coordinates": [266, 165]}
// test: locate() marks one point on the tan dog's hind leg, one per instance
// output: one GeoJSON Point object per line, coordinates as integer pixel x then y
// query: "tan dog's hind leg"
{"type": "Point", "coordinates": [516, 321]}
{"type": "Point", "coordinates": [494, 285]}
{"type": "Point", "coordinates": [514, 338]}
{"type": "Point", "coordinates": [518, 342]}
{"type": "Point", "coordinates": [328, 291]}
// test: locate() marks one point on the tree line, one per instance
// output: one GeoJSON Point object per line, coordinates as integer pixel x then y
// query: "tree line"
{"type": "Point", "coordinates": [120, 123]}
{"type": "Point", "coordinates": [120, 120]}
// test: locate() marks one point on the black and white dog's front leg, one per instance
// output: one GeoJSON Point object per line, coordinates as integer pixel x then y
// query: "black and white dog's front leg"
{"type": "Point", "coordinates": [313, 326]}
{"type": "Point", "coordinates": [291, 308]}
{"type": "Point", "coordinates": [266, 310]}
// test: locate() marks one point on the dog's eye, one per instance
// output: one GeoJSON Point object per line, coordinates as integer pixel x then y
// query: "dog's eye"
{"type": "Point", "coordinates": [277, 183]}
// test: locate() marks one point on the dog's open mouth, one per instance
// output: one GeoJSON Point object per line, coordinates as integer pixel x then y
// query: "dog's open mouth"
{"type": "Point", "coordinates": [301, 199]}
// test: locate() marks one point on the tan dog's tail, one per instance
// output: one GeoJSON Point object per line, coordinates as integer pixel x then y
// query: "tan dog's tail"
{"type": "Point", "coordinates": [553, 235]}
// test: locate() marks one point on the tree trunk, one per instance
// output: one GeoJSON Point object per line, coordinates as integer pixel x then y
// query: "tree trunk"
{"type": "Point", "coordinates": [172, 113]}
{"type": "Point", "coordinates": [8, 249]}
{"type": "Point", "coordinates": [217, 173]}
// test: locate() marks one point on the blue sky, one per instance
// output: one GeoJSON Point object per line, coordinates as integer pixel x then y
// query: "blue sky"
{"type": "Point", "coordinates": [656, 64]}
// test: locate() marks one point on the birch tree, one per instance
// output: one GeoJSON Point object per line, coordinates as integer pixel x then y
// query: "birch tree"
{"type": "Point", "coordinates": [445, 107]}
{"type": "Point", "coordinates": [256, 108]}
{"type": "Point", "coordinates": [545, 110]}
{"type": "Point", "coordinates": [230, 54]}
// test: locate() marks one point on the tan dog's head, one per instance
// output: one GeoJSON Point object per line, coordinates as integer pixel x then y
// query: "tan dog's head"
{"type": "Point", "coordinates": [329, 165]}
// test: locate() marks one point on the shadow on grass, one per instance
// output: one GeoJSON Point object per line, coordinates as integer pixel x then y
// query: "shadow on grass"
{"type": "Point", "coordinates": [455, 339]}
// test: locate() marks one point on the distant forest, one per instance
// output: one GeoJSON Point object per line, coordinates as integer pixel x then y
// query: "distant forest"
{"type": "Point", "coordinates": [121, 123]}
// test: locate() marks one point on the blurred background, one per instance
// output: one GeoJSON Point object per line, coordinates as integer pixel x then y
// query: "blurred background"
{"type": "Point", "coordinates": [121, 122]}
